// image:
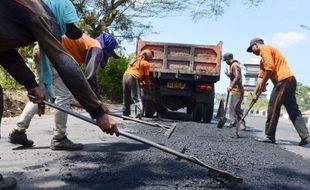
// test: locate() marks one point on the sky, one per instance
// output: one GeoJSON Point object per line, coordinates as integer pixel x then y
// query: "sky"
{"type": "Point", "coordinates": [276, 21]}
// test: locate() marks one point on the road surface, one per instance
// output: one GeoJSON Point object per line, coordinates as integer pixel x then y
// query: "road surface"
{"type": "Point", "coordinates": [110, 162]}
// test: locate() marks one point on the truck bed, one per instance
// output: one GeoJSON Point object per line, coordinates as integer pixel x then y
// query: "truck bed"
{"type": "Point", "coordinates": [176, 58]}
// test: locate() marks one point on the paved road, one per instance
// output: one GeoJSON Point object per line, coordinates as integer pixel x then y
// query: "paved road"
{"type": "Point", "coordinates": [286, 135]}
{"type": "Point", "coordinates": [109, 162]}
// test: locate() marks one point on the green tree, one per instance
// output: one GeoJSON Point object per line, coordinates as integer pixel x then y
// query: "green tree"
{"type": "Point", "coordinates": [8, 82]}
{"type": "Point", "coordinates": [128, 18]}
{"type": "Point", "coordinates": [110, 79]}
{"type": "Point", "coordinates": [303, 96]}
{"type": "Point", "coordinates": [215, 8]}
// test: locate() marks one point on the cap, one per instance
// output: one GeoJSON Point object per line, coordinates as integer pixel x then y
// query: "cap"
{"type": "Point", "coordinates": [252, 42]}
{"type": "Point", "coordinates": [227, 56]}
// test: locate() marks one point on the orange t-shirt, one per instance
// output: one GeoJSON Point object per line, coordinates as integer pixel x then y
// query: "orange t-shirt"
{"type": "Point", "coordinates": [78, 48]}
{"type": "Point", "coordinates": [138, 68]}
{"type": "Point", "coordinates": [274, 61]}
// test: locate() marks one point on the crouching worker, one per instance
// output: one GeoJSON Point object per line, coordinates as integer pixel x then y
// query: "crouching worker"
{"type": "Point", "coordinates": [137, 73]}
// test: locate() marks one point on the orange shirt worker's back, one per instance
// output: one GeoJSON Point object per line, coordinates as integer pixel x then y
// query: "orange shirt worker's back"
{"type": "Point", "coordinates": [137, 72]}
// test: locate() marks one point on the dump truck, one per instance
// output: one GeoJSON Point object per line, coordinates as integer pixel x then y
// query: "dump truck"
{"type": "Point", "coordinates": [182, 76]}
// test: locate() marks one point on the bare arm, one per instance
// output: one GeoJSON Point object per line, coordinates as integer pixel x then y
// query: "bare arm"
{"type": "Point", "coordinates": [261, 84]}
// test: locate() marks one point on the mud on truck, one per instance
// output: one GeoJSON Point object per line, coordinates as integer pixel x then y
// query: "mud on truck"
{"type": "Point", "coordinates": [182, 76]}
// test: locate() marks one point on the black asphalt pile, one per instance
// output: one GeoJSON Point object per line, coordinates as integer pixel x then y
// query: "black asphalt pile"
{"type": "Point", "coordinates": [131, 165]}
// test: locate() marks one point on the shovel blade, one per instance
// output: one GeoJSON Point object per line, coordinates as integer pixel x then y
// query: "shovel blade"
{"type": "Point", "coordinates": [221, 122]}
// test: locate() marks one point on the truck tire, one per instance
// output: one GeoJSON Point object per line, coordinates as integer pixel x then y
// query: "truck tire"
{"type": "Point", "coordinates": [149, 108]}
{"type": "Point", "coordinates": [198, 112]}
{"type": "Point", "coordinates": [207, 113]}
{"type": "Point", "coordinates": [189, 110]}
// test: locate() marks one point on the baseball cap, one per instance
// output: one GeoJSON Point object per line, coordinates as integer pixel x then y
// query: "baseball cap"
{"type": "Point", "coordinates": [227, 56]}
{"type": "Point", "coordinates": [252, 42]}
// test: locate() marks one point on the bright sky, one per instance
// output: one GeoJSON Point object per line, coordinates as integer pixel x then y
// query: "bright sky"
{"type": "Point", "coordinates": [277, 22]}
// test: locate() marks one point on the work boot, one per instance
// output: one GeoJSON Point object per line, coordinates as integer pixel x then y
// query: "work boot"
{"type": "Point", "coordinates": [267, 140]}
{"type": "Point", "coordinates": [126, 115]}
{"type": "Point", "coordinates": [7, 183]}
{"type": "Point", "coordinates": [139, 116]}
{"type": "Point", "coordinates": [17, 137]}
{"type": "Point", "coordinates": [65, 144]}
{"type": "Point", "coordinates": [304, 141]}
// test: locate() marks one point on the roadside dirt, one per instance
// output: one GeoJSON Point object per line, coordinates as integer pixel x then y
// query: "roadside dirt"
{"type": "Point", "coordinates": [14, 102]}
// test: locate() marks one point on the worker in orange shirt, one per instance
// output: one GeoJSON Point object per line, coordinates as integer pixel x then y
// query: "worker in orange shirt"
{"type": "Point", "coordinates": [136, 74]}
{"type": "Point", "coordinates": [274, 66]}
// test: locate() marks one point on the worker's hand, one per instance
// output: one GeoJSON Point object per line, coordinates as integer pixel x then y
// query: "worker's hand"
{"type": "Point", "coordinates": [107, 124]}
{"type": "Point", "coordinates": [254, 97]}
{"type": "Point", "coordinates": [261, 87]}
{"type": "Point", "coordinates": [229, 89]}
{"type": "Point", "coordinates": [145, 84]}
{"type": "Point", "coordinates": [39, 96]}
{"type": "Point", "coordinates": [227, 72]}
{"type": "Point", "coordinates": [148, 84]}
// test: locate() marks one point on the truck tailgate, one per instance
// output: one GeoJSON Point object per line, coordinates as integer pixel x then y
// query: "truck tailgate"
{"type": "Point", "coordinates": [184, 58]}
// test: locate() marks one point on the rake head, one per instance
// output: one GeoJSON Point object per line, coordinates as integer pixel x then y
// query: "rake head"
{"type": "Point", "coordinates": [221, 122]}
{"type": "Point", "coordinates": [169, 132]}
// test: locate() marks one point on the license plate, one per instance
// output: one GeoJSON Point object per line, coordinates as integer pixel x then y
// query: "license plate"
{"type": "Point", "coordinates": [176, 85]}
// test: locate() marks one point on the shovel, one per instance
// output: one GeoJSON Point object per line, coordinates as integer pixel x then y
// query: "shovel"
{"type": "Point", "coordinates": [212, 172]}
{"type": "Point", "coordinates": [247, 112]}
{"type": "Point", "coordinates": [223, 118]}
{"type": "Point", "coordinates": [169, 130]}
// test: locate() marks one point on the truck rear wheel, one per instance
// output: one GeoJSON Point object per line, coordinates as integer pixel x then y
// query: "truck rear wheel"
{"type": "Point", "coordinates": [197, 112]}
{"type": "Point", "coordinates": [149, 108]}
{"type": "Point", "coordinates": [207, 113]}
{"type": "Point", "coordinates": [189, 110]}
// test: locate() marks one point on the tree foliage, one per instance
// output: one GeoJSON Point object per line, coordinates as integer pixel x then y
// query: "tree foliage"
{"type": "Point", "coordinates": [215, 8]}
{"type": "Point", "coordinates": [6, 80]}
{"type": "Point", "coordinates": [110, 78]}
{"type": "Point", "coordinates": [303, 96]}
{"type": "Point", "coordinates": [130, 18]}
{"type": "Point", "coordinates": [127, 18]}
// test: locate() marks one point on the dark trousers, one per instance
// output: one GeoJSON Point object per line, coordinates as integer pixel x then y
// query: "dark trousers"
{"type": "Point", "coordinates": [131, 91]}
{"type": "Point", "coordinates": [235, 111]}
{"type": "Point", "coordinates": [283, 93]}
